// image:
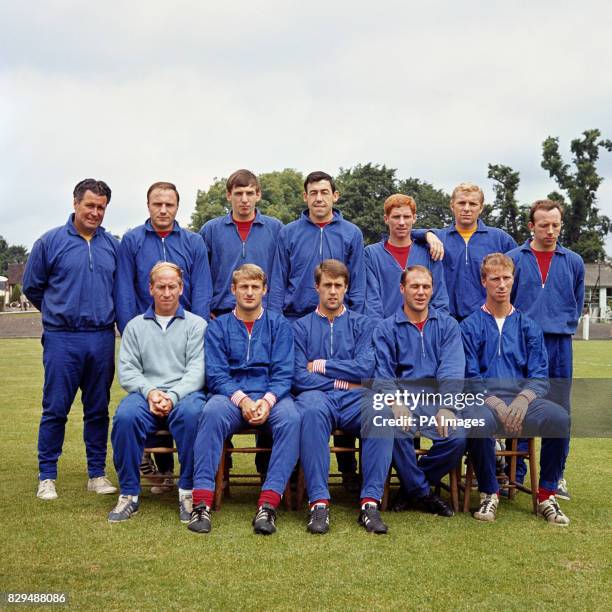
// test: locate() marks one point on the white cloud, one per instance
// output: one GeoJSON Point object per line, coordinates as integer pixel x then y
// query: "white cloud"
{"type": "Point", "coordinates": [138, 92]}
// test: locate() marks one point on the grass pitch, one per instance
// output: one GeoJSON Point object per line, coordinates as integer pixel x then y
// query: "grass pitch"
{"type": "Point", "coordinates": [153, 562]}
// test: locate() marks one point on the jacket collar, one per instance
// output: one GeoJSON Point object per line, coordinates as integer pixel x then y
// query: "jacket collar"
{"type": "Point", "coordinates": [257, 319]}
{"type": "Point", "coordinates": [336, 216]}
{"type": "Point", "coordinates": [343, 311]}
{"type": "Point", "coordinates": [229, 220]}
{"type": "Point", "coordinates": [485, 309]}
{"type": "Point", "coordinates": [72, 229]}
{"type": "Point", "coordinates": [480, 227]}
{"type": "Point", "coordinates": [400, 315]}
{"type": "Point", "coordinates": [150, 313]}
{"type": "Point", "coordinates": [149, 228]}
{"type": "Point", "coordinates": [559, 249]}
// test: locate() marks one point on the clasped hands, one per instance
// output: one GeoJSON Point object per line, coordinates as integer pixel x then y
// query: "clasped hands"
{"type": "Point", "coordinates": [255, 413]}
{"type": "Point", "coordinates": [160, 403]}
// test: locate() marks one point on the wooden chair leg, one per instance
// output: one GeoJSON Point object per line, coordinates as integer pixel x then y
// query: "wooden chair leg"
{"type": "Point", "coordinates": [300, 489]}
{"type": "Point", "coordinates": [385, 499]}
{"type": "Point", "coordinates": [219, 479]}
{"type": "Point", "coordinates": [455, 474]}
{"type": "Point", "coordinates": [533, 474]}
{"type": "Point", "coordinates": [469, 477]}
{"type": "Point", "coordinates": [513, 460]}
{"type": "Point", "coordinates": [288, 496]}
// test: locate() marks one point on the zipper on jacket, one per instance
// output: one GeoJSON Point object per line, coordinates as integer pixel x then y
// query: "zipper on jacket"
{"type": "Point", "coordinates": [321, 242]}
{"type": "Point", "coordinates": [164, 249]}
{"type": "Point", "coordinates": [248, 347]}
{"type": "Point", "coordinates": [331, 339]}
{"type": "Point", "coordinates": [540, 271]}
{"type": "Point", "coordinates": [89, 253]}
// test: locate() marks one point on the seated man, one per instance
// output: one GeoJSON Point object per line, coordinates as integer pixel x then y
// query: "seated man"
{"type": "Point", "coordinates": [161, 365]}
{"type": "Point", "coordinates": [417, 343]}
{"type": "Point", "coordinates": [505, 349]}
{"type": "Point", "coordinates": [249, 367]}
{"type": "Point", "coordinates": [333, 353]}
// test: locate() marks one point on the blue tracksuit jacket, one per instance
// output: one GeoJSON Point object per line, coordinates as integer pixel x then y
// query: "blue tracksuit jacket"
{"type": "Point", "coordinates": [383, 297]}
{"type": "Point", "coordinates": [70, 280]}
{"type": "Point", "coordinates": [301, 246]}
{"type": "Point", "coordinates": [345, 344]}
{"type": "Point", "coordinates": [227, 252]}
{"type": "Point", "coordinates": [141, 248]}
{"type": "Point", "coordinates": [403, 352]}
{"type": "Point", "coordinates": [254, 364]}
{"type": "Point", "coordinates": [557, 304]}
{"type": "Point", "coordinates": [508, 362]}
{"type": "Point", "coordinates": [462, 264]}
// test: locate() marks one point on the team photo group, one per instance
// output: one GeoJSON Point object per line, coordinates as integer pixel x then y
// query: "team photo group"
{"type": "Point", "coordinates": [292, 330]}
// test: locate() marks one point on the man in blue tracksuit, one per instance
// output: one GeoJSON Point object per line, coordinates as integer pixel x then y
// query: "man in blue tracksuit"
{"type": "Point", "coordinates": [161, 366]}
{"type": "Point", "coordinates": [549, 287]}
{"type": "Point", "coordinates": [320, 233]}
{"type": "Point", "coordinates": [505, 354]}
{"type": "Point", "coordinates": [242, 236]}
{"type": "Point", "coordinates": [386, 260]}
{"type": "Point", "coordinates": [414, 347]}
{"type": "Point", "coordinates": [466, 242]}
{"type": "Point", "coordinates": [69, 277]}
{"type": "Point", "coordinates": [333, 354]}
{"type": "Point", "coordinates": [161, 239]}
{"type": "Point", "coordinates": [249, 369]}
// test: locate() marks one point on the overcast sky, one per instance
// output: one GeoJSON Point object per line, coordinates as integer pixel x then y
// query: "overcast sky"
{"type": "Point", "coordinates": [187, 91]}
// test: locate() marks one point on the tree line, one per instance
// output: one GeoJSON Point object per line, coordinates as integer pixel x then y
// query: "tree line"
{"type": "Point", "coordinates": [364, 187]}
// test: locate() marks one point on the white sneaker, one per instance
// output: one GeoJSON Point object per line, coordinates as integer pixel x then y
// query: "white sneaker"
{"type": "Point", "coordinates": [166, 483]}
{"type": "Point", "coordinates": [101, 485]}
{"type": "Point", "coordinates": [46, 489]}
{"type": "Point", "coordinates": [488, 507]}
{"type": "Point", "coordinates": [550, 510]}
{"type": "Point", "coordinates": [562, 490]}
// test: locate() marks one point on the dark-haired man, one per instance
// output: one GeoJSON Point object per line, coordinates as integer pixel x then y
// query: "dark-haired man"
{"type": "Point", "coordinates": [69, 277]}
{"type": "Point", "coordinates": [242, 236]}
{"type": "Point", "coordinates": [549, 287]}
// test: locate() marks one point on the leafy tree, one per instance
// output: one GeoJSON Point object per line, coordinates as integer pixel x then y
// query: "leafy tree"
{"type": "Point", "coordinates": [433, 205]}
{"type": "Point", "coordinates": [11, 254]}
{"type": "Point", "coordinates": [363, 189]}
{"type": "Point", "coordinates": [281, 197]}
{"type": "Point", "coordinates": [584, 228]}
{"type": "Point", "coordinates": [16, 293]}
{"type": "Point", "coordinates": [506, 213]}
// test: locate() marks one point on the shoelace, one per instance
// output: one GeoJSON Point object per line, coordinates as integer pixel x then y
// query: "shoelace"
{"type": "Point", "coordinates": [123, 503]}
{"type": "Point", "coordinates": [200, 512]}
{"type": "Point", "coordinates": [319, 512]}
{"type": "Point", "coordinates": [266, 513]}
{"type": "Point", "coordinates": [47, 485]}
{"type": "Point", "coordinates": [487, 505]}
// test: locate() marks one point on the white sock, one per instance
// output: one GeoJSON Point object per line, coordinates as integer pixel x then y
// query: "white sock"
{"type": "Point", "coordinates": [185, 493]}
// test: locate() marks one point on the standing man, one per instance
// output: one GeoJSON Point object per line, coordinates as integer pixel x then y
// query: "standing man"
{"type": "Point", "coordinates": [161, 366]}
{"type": "Point", "coordinates": [333, 354]}
{"type": "Point", "coordinates": [242, 236]}
{"type": "Point", "coordinates": [421, 344]}
{"type": "Point", "coordinates": [466, 242]}
{"type": "Point", "coordinates": [320, 233]}
{"type": "Point", "coordinates": [161, 238]}
{"type": "Point", "coordinates": [549, 287]}
{"type": "Point", "coordinates": [387, 259]}
{"type": "Point", "coordinates": [69, 277]}
{"type": "Point", "coordinates": [249, 369]}
{"type": "Point", "coordinates": [504, 350]}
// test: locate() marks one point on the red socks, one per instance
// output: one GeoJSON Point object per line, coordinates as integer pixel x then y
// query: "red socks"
{"type": "Point", "coordinates": [269, 497]}
{"type": "Point", "coordinates": [544, 494]}
{"type": "Point", "coordinates": [203, 495]}
{"type": "Point", "coordinates": [368, 500]}
{"type": "Point", "coordinates": [319, 501]}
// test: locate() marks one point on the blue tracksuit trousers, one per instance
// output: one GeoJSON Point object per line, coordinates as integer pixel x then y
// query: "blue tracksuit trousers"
{"type": "Point", "coordinates": [133, 422]}
{"type": "Point", "coordinates": [542, 416]}
{"type": "Point", "coordinates": [74, 360]}
{"type": "Point", "coordinates": [560, 371]}
{"type": "Point", "coordinates": [321, 414]}
{"type": "Point", "coordinates": [221, 419]}
{"type": "Point", "coordinates": [417, 477]}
